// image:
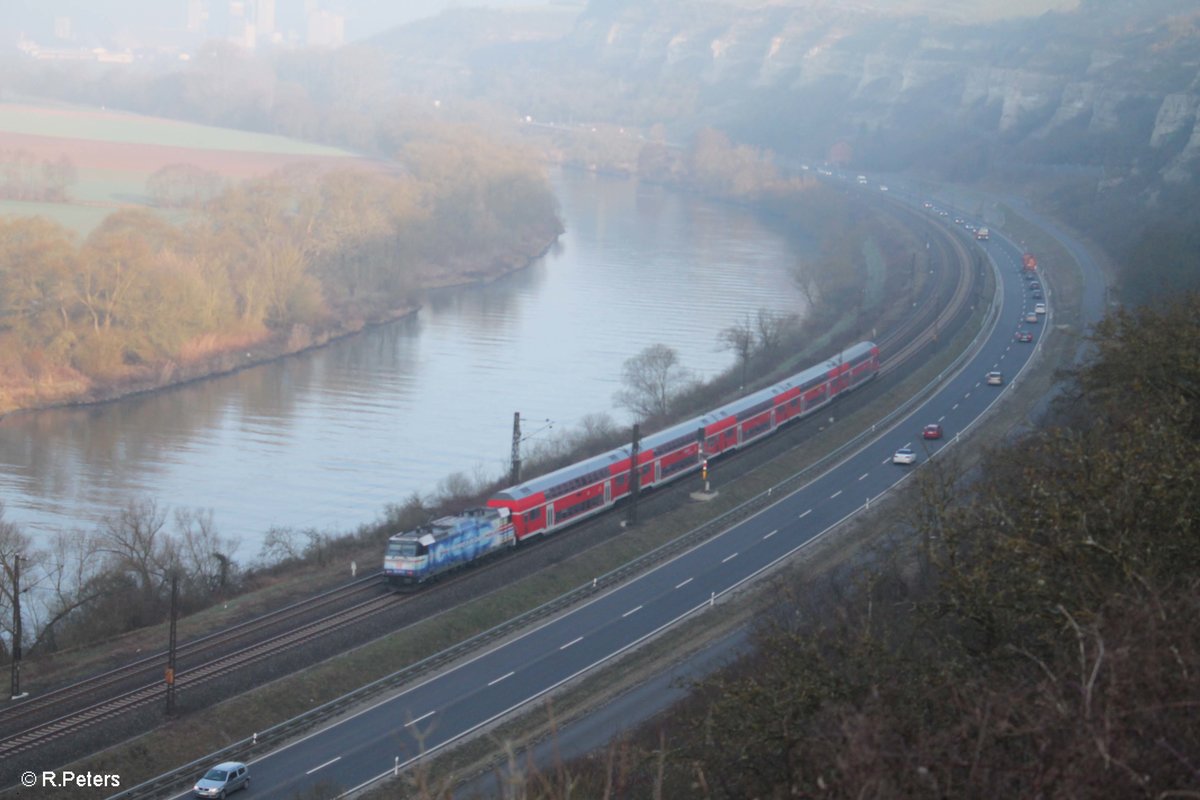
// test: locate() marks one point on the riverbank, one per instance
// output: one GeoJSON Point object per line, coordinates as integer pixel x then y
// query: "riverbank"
{"type": "Point", "coordinates": [213, 355]}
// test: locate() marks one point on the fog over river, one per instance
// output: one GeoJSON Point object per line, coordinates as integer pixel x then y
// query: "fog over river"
{"type": "Point", "coordinates": [326, 439]}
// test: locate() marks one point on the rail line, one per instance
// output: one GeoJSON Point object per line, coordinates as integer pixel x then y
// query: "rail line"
{"type": "Point", "coordinates": [150, 667]}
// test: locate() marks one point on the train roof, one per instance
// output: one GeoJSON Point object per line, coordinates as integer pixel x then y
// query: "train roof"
{"type": "Point", "coordinates": [563, 475]}
{"type": "Point", "coordinates": [443, 527]}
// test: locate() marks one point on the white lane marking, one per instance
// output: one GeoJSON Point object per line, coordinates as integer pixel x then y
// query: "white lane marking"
{"type": "Point", "coordinates": [954, 407]}
{"type": "Point", "coordinates": [805, 514]}
{"type": "Point", "coordinates": [835, 494]}
{"type": "Point", "coordinates": [631, 611]}
{"type": "Point", "coordinates": [326, 764]}
{"type": "Point", "coordinates": [685, 583]}
{"type": "Point", "coordinates": [772, 533]}
{"type": "Point", "coordinates": [968, 394]}
{"type": "Point", "coordinates": [502, 677]}
{"type": "Point", "coordinates": [576, 640]}
{"type": "Point", "coordinates": [977, 385]}
{"type": "Point", "coordinates": [886, 460]}
{"type": "Point", "coordinates": [418, 719]}
{"type": "Point", "coordinates": [729, 558]}
{"type": "Point", "coordinates": [865, 474]}
{"type": "Point", "coordinates": [941, 418]}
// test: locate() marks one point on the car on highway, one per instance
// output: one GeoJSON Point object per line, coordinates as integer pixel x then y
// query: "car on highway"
{"type": "Point", "coordinates": [1036, 294]}
{"type": "Point", "coordinates": [1024, 336]}
{"type": "Point", "coordinates": [995, 378]}
{"type": "Point", "coordinates": [1040, 308]}
{"type": "Point", "coordinates": [905, 455]}
{"type": "Point", "coordinates": [1031, 317]}
{"type": "Point", "coordinates": [932, 431]}
{"type": "Point", "coordinates": [221, 780]}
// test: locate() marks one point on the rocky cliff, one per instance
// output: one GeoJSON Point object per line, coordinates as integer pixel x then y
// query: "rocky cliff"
{"type": "Point", "coordinates": [1107, 86]}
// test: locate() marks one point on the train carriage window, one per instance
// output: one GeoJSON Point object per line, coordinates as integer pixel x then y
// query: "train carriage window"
{"type": "Point", "coordinates": [680, 463]}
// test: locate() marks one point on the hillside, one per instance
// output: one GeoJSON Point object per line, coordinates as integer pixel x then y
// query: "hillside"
{"type": "Point", "coordinates": [1111, 89]}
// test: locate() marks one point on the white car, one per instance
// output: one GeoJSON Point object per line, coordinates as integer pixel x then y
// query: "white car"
{"type": "Point", "coordinates": [222, 780]}
{"type": "Point", "coordinates": [995, 378]}
{"type": "Point", "coordinates": [1040, 308]}
{"type": "Point", "coordinates": [904, 455]}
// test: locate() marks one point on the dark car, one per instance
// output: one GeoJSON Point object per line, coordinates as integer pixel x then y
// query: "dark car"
{"type": "Point", "coordinates": [1024, 336]}
{"type": "Point", "coordinates": [932, 431]}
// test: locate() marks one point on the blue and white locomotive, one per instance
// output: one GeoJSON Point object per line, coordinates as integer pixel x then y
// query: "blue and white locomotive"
{"type": "Point", "coordinates": [416, 556]}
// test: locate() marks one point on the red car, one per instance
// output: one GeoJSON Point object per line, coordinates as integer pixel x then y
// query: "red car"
{"type": "Point", "coordinates": [1024, 336]}
{"type": "Point", "coordinates": [932, 431]}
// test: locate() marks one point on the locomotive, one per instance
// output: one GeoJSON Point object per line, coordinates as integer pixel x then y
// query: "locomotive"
{"type": "Point", "coordinates": [573, 493]}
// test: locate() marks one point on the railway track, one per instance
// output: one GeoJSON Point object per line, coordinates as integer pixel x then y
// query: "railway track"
{"type": "Point", "coordinates": [16, 719]}
{"type": "Point", "coordinates": [53, 715]}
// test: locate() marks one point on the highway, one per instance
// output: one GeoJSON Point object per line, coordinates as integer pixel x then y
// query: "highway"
{"type": "Point", "coordinates": [371, 743]}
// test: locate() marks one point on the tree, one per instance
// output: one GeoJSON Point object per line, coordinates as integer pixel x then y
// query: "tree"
{"type": "Point", "coordinates": [772, 328]}
{"type": "Point", "coordinates": [14, 544]}
{"type": "Point", "coordinates": [138, 546]}
{"type": "Point", "coordinates": [37, 258]}
{"type": "Point", "coordinates": [739, 338]}
{"type": "Point", "coordinates": [653, 379]}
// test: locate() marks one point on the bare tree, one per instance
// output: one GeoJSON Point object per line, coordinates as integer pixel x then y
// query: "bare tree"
{"type": "Point", "coordinates": [595, 431]}
{"type": "Point", "coordinates": [67, 584]}
{"type": "Point", "coordinates": [739, 338]}
{"type": "Point", "coordinates": [137, 544]}
{"type": "Point", "coordinates": [653, 379]}
{"type": "Point", "coordinates": [772, 328]}
{"type": "Point", "coordinates": [205, 556]}
{"type": "Point", "coordinates": [13, 544]}
{"type": "Point", "coordinates": [279, 545]}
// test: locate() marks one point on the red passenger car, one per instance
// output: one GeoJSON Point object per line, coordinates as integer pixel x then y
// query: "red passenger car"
{"type": "Point", "coordinates": [580, 490]}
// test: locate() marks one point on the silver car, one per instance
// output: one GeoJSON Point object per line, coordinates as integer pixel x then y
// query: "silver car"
{"type": "Point", "coordinates": [222, 780]}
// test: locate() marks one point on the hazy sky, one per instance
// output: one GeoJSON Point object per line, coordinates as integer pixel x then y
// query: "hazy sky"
{"type": "Point", "coordinates": [103, 17]}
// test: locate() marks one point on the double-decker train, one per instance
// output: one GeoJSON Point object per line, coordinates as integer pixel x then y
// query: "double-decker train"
{"type": "Point", "coordinates": [549, 502]}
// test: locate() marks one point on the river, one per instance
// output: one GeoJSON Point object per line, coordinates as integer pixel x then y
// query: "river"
{"type": "Point", "coordinates": [326, 439]}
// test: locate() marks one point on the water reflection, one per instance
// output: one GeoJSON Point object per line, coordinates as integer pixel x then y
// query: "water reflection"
{"type": "Point", "coordinates": [327, 439]}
